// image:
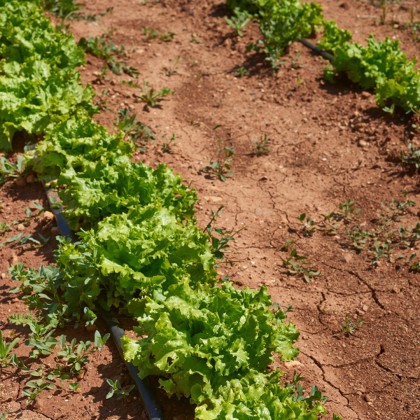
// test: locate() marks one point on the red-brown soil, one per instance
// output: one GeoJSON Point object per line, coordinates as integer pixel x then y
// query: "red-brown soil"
{"type": "Point", "coordinates": [328, 144]}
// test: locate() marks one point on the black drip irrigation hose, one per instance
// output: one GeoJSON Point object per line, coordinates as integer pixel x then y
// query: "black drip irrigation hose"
{"type": "Point", "coordinates": [152, 407]}
{"type": "Point", "coordinates": [316, 49]}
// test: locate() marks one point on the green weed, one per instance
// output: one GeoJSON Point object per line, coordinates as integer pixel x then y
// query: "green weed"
{"type": "Point", "coordinates": [135, 131]}
{"type": "Point", "coordinates": [152, 33]}
{"type": "Point", "coordinates": [6, 356]}
{"type": "Point", "coordinates": [62, 8]}
{"type": "Point", "coordinates": [117, 389]}
{"type": "Point", "coordinates": [298, 265]}
{"type": "Point", "coordinates": [34, 387]}
{"type": "Point", "coordinates": [241, 71]}
{"type": "Point", "coordinates": [9, 170]}
{"type": "Point", "coordinates": [411, 160]}
{"type": "Point", "coordinates": [219, 237]}
{"type": "Point", "coordinates": [262, 146]}
{"type": "Point", "coordinates": [151, 96]}
{"type": "Point", "coordinates": [167, 144]}
{"type": "Point", "coordinates": [4, 227]}
{"type": "Point", "coordinates": [103, 48]}
{"type": "Point", "coordinates": [349, 326]}
{"type": "Point", "coordinates": [309, 226]}
{"type": "Point", "coordinates": [222, 167]}
{"type": "Point", "coordinates": [238, 21]}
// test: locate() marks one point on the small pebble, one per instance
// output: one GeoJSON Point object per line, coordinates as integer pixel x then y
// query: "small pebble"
{"type": "Point", "coordinates": [363, 143]}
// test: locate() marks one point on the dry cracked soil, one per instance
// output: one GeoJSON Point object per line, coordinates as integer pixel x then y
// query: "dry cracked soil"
{"type": "Point", "coordinates": [266, 148]}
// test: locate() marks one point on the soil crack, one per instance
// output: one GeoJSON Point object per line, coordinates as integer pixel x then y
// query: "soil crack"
{"type": "Point", "coordinates": [321, 367]}
{"type": "Point", "coordinates": [372, 291]}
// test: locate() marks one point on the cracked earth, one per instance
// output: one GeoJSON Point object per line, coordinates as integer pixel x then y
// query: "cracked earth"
{"type": "Point", "coordinates": [359, 321]}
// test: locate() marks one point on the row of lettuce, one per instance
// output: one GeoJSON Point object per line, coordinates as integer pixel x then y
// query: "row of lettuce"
{"type": "Point", "coordinates": [139, 250]}
{"type": "Point", "coordinates": [379, 66]}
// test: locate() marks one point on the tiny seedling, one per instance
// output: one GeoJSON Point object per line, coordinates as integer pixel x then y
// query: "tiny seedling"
{"type": "Point", "coordinates": [152, 33]}
{"type": "Point", "coordinates": [287, 245]}
{"type": "Point", "coordinates": [262, 146]}
{"type": "Point", "coordinates": [4, 227]}
{"type": "Point", "coordinates": [379, 250]}
{"type": "Point", "coordinates": [134, 130]}
{"type": "Point", "coordinates": [238, 21]}
{"type": "Point", "coordinates": [170, 71]}
{"type": "Point", "coordinates": [413, 263]}
{"type": "Point", "coordinates": [64, 9]}
{"type": "Point", "coordinates": [349, 326]}
{"type": "Point", "coordinates": [40, 338]}
{"type": "Point", "coordinates": [9, 170]}
{"type": "Point", "coordinates": [152, 97]}
{"type": "Point", "coordinates": [6, 356]}
{"type": "Point", "coordinates": [34, 387]}
{"type": "Point", "coordinates": [222, 167]}
{"type": "Point", "coordinates": [309, 226]}
{"type": "Point", "coordinates": [219, 237]}
{"type": "Point", "coordinates": [298, 265]}
{"type": "Point", "coordinates": [359, 237]}
{"type": "Point", "coordinates": [74, 386]}
{"type": "Point", "coordinates": [241, 71]}
{"type": "Point", "coordinates": [74, 354]}
{"type": "Point", "coordinates": [167, 144]}
{"type": "Point", "coordinates": [103, 48]}
{"type": "Point", "coordinates": [117, 389]}
{"type": "Point", "coordinates": [411, 160]}
{"type": "Point", "coordinates": [314, 397]}
{"type": "Point", "coordinates": [347, 211]}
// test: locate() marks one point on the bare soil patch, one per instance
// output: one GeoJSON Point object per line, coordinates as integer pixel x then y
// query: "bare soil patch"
{"type": "Point", "coordinates": [327, 145]}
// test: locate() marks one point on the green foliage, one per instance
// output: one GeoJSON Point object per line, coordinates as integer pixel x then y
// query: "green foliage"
{"type": "Point", "coordinates": [61, 8]}
{"type": "Point", "coordinates": [285, 22]}
{"type": "Point", "coordinates": [134, 130]}
{"type": "Point", "coordinates": [241, 71]}
{"type": "Point", "coordinates": [411, 160]}
{"type": "Point", "coordinates": [350, 326]}
{"type": "Point", "coordinates": [152, 33]}
{"type": "Point", "coordinates": [379, 66]}
{"type": "Point", "coordinates": [262, 146]}
{"type": "Point", "coordinates": [152, 97]}
{"type": "Point", "coordinates": [381, 238]}
{"type": "Point", "coordinates": [238, 20]}
{"type": "Point", "coordinates": [39, 291]}
{"type": "Point", "coordinates": [212, 345]}
{"type": "Point", "coordinates": [281, 22]}
{"type": "Point", "coordinates": [34, 387]}
{"type": "Point", "coordinates": [75, 355]}
{"type": "Point", "coordinates": [38, 80]}
{"type": "Point", "coordinates": [131, 254]}
{"type": "Point", "coordinates": [139, 250]}
{"type": "Point", "coordinates": [219, 236]}
{"type": "Point", "coordinates": [117, 390]}
{"type": "Point", "coordinates": [298, 265]}
{"type": "Point", "coordinates": [103, 48]}
{"type": "Point", "coordinates": [222, 167]}
{"type": "Point", "coordinates": [6, 356]}
{"type": "Point", "coordinates": [9, 169]}
{"type": "Point", "coordinates": [309, 226]}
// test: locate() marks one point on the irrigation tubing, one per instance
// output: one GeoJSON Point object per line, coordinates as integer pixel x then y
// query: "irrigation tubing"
{"type": "Point", "coordinates": [316, 49]}
{"type": "Point", "coordinates": [152, 407]}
